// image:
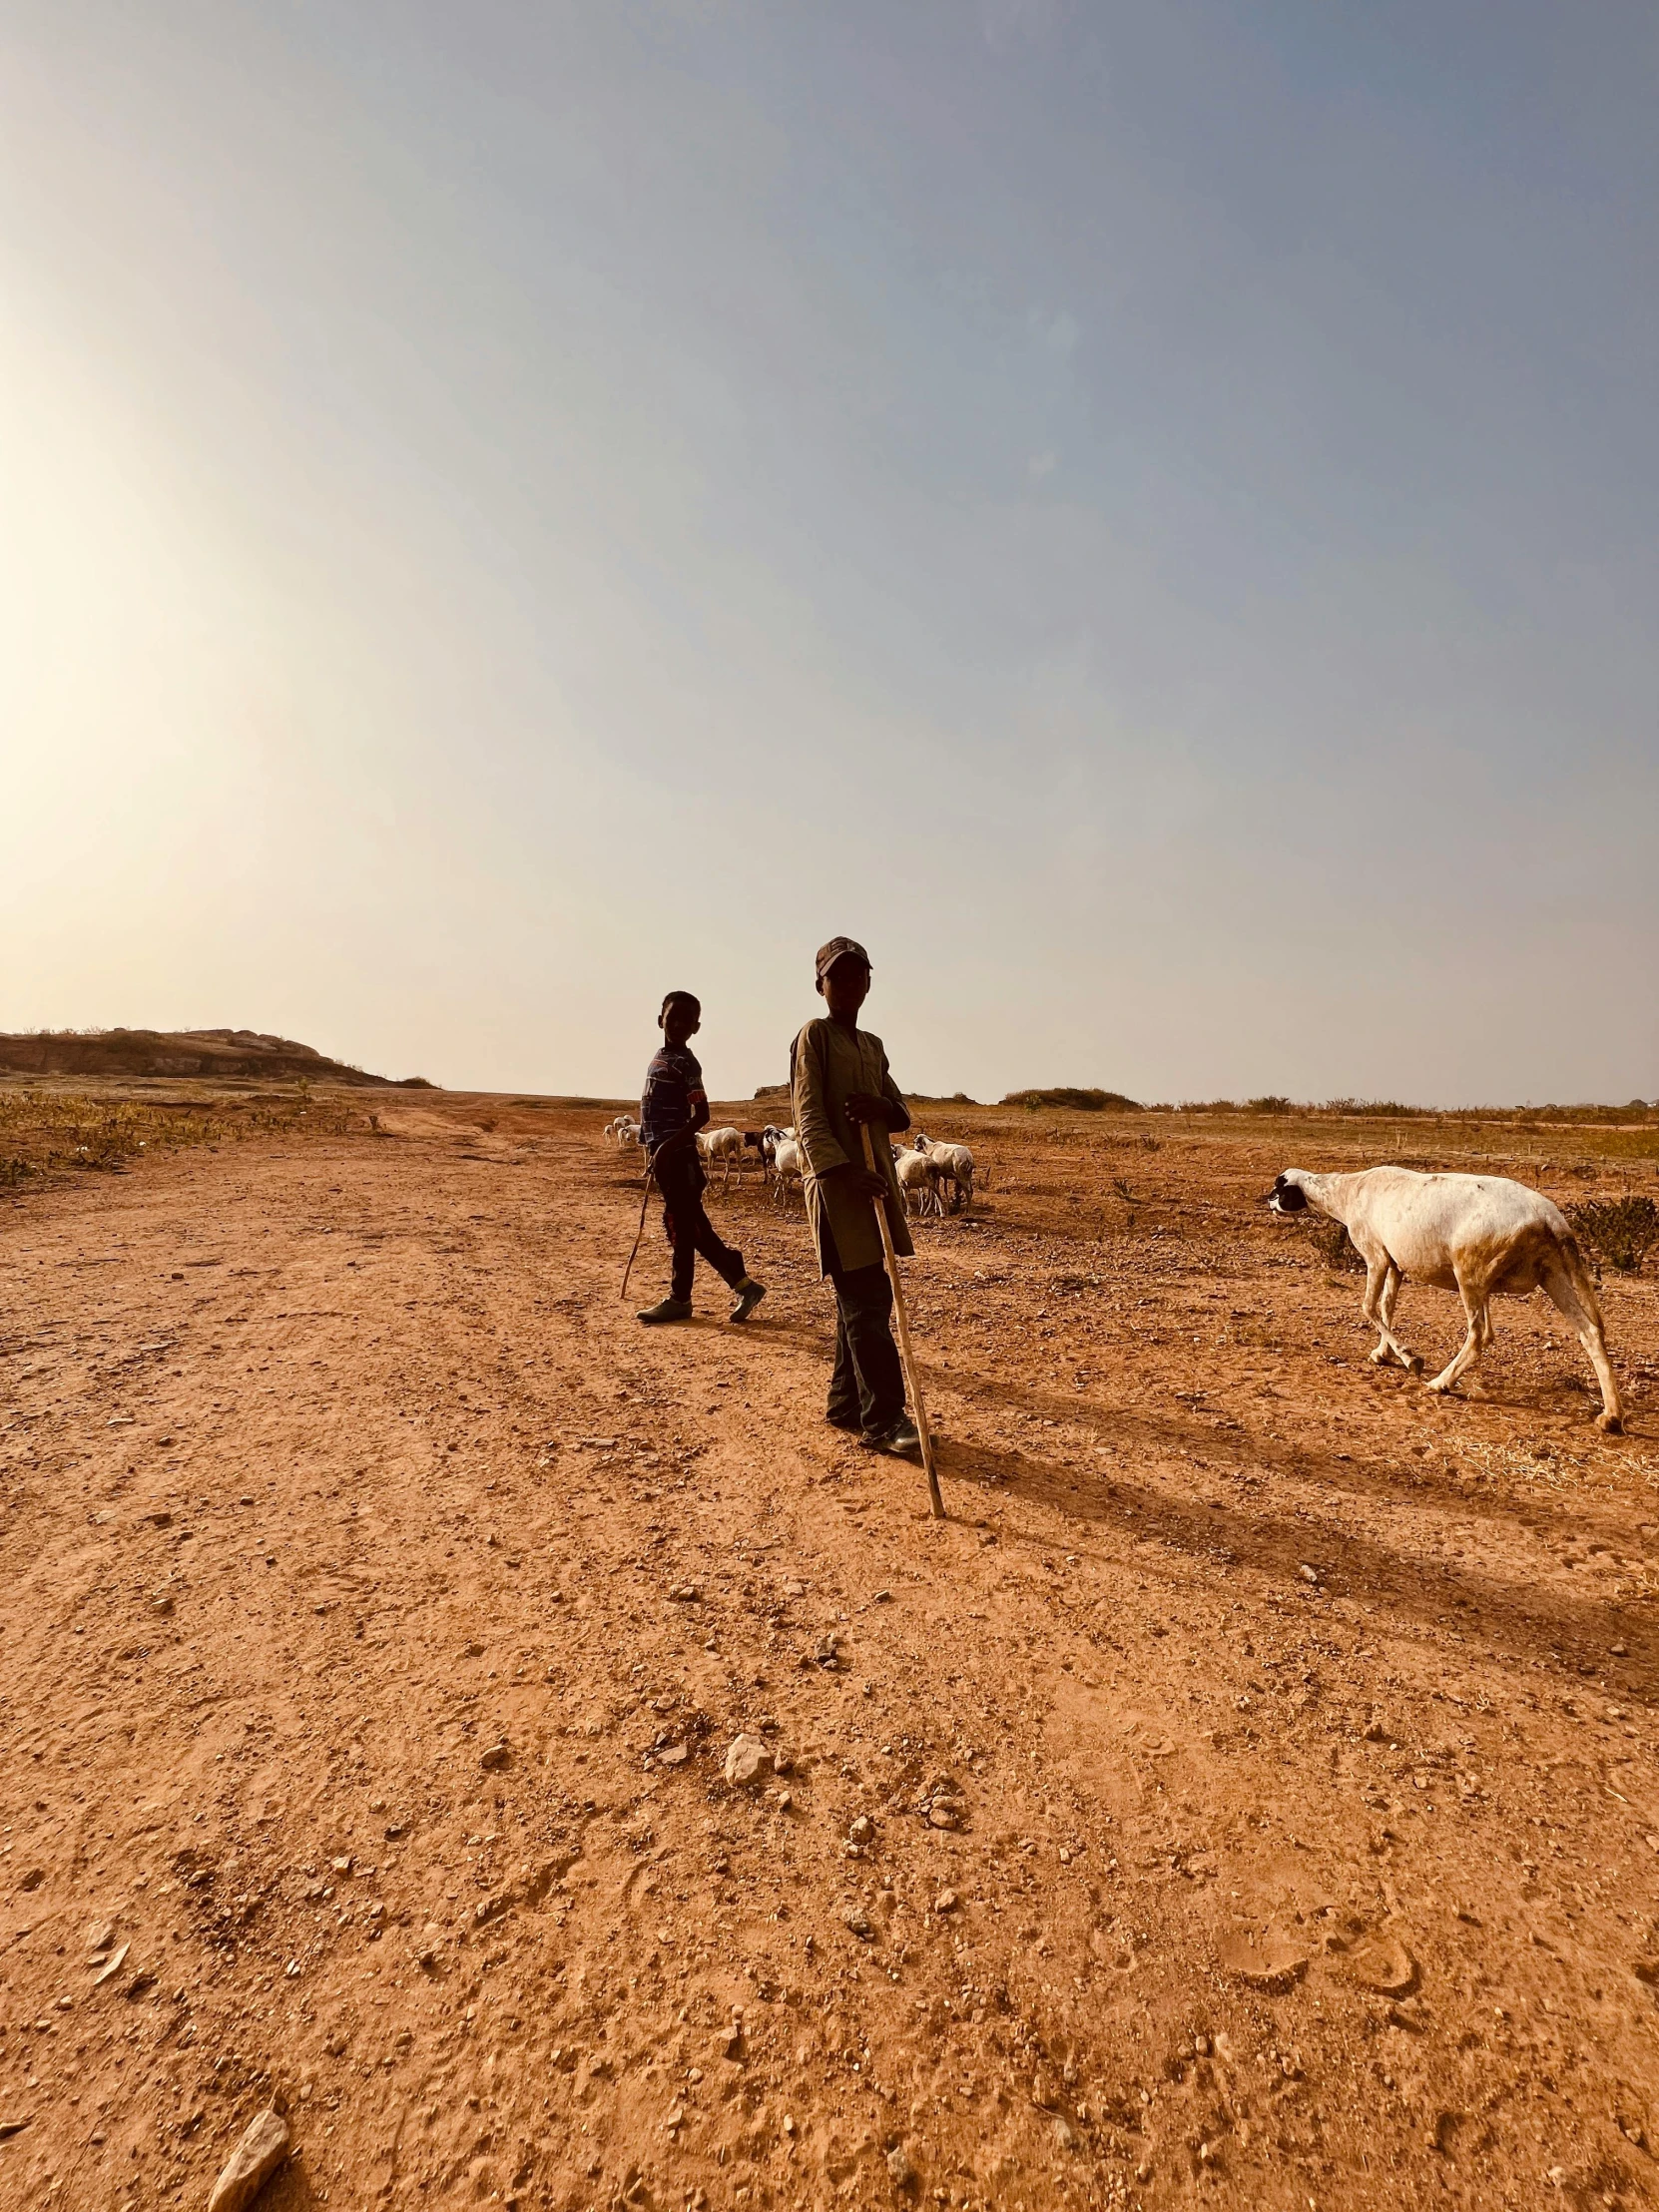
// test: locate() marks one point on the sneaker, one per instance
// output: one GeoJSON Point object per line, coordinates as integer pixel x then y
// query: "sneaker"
{"type": "Point", "coordinates": [750, 1294]}
{"type": "Point", "coordinates": [669, 1309]}
{"type": "Point", "coordinates": [902, 1439]}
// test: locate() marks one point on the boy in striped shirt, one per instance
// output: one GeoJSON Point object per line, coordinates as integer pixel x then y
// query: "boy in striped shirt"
{"type": "Point", "coordinates": [672, 1108]}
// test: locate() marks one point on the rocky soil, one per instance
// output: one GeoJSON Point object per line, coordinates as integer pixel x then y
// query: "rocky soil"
{"type": "Point", "coordinates": [1248, 1796]}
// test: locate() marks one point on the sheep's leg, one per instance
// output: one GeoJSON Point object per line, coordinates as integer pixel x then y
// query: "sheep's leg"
{"type": "Point", "coordinates": [1377, 1306]}
{"type": "Point", "coordinates": [1476, 1296]}
{"type": "Point", "coordinates": [1391, 1278]}
{"type": "Point", "coordinates": [1577, 1302]}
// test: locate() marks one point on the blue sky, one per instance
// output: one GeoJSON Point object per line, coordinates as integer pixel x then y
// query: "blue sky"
{"type": "Point", "coordinates": [1143, 515]}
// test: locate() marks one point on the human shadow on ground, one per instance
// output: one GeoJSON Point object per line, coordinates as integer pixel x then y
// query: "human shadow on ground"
{"type": "Point", "coordinates": [1361, 1473]}
{"type": "Point", "coordinates": [1527, 1622]}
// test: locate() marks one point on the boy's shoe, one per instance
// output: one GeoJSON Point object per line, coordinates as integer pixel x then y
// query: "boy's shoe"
{"type": "Point", "coordinates": [750, 1294]}
{"type": "Point", "coordinates": [902, 1439]}
{"type": "Point", "coordinates": [668, 1309]}
{"type": "Point", "coordinates": [848, 1421]}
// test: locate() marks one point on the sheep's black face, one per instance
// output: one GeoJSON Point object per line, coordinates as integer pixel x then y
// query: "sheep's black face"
{"type": "Point", "coordinates": [1287, 1196]}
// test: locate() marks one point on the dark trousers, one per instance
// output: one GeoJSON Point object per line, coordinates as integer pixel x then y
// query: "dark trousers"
{"type": "Point", "coordinates": [867, 1383]}
{"type": "Point", "coordinates": [687, 1226]}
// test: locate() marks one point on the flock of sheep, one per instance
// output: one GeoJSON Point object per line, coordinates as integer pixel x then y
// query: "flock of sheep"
{"type": "Point", "coordinates": [934, 1178]}
{"type": "Point", "coordinates": [1483, 1236]}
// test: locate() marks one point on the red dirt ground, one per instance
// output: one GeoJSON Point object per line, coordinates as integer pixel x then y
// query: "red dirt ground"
{"type": "Point", "coordinates": [377, 1602]}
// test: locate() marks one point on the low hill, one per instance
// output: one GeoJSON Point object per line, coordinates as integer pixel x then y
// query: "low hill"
{"type": "Point", "coordinates": [1079, 1101]}
{"type": "Point", "coordinates": [233, 1053]}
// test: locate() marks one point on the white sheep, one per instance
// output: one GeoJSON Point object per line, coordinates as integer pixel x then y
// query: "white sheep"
{"type": "Point", "coordinates": [919, 1178]}
{"type": "Point", "coordinates": [955, 1163]}
{"type": "Point", "coordinates": [725, 1145]}
{"type": "Point", "coordinates": [787, 1169]}
{"type": "Point", "coordinates": [1481, 1234]}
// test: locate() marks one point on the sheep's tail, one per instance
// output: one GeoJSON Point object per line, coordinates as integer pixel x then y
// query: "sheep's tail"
{"type": "Point", "coordinates": [1578, 1271]}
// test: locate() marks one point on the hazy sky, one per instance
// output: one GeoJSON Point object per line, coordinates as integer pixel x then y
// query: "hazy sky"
{"type": "Point", "coordinates": [1146, 514]}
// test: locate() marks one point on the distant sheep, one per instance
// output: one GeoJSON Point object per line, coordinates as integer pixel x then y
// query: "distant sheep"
{"type": "Point", "coordinates": [788, 1165]}
{"type": "Point", "coordinates": [1481, 1234]}
{"type": "Point", "coordinates": [723, 1145]}
{"type": "Point", "coordinates": [955, 1165]}
{"type": "Point", "coordinates": [918, 1179]}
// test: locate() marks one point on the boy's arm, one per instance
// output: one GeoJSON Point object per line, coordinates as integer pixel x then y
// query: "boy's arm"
{"type": "Point", "coordinates": [814, 1130]}
{"type": "Point", "coordinates": [884, 1107]}
{"type": "Point", "coordinates": [899, 1114]}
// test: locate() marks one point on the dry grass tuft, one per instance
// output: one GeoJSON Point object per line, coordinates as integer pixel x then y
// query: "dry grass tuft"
{"type": "Point", "coordinates": [44, 1133]}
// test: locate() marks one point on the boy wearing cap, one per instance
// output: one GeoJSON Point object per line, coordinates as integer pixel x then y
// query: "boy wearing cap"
{"type": "Point", "coordinates": [672, 1109]}
{"type": "Point", "coordinates": [840, 1083]}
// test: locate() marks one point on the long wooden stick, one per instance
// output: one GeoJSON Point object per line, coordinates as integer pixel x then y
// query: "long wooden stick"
{"type": "Point", "coordinates": [645, 1201]}
{"type": "Point", "coordinates": [906, 1355]}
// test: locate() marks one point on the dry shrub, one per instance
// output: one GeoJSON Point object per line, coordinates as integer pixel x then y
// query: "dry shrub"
{"type": "Point", "coordinates": [1330, 1240]}
{"type": "Point", "coordinates": [1618, 1233]}
{"type": "Point", "coordinates": [48, 1132]}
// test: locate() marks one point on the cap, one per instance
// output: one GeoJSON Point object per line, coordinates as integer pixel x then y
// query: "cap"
{"type": "Point", "coordinates": [838, 948]}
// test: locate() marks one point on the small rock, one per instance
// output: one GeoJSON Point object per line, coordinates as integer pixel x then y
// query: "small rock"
{"type": "Point", "coordinates": [942, 1813]}
{"type": "Point", "coordinates": [342, 1866]}
{"type": "Point", "coordinates": [685, 1593]}
{"type": "Point", "coordinates": [675, 1755]}
{"type": "Point", "coordinates": [472, 1651]}
{"type": "Point", "coordinates": [110, 1966]}
{"type": "Point", "coordinates": [862, 1829]}
{"type": "Point", "coordinates": [33, 1879]}
{"type": "Point", "coordinates": [827, 1651]}
{"type": "Point", "coordinates": [161, 1603]}
{"type": "Point", "coordinates": [748, 1759]}
{"type": "Point", "coordinates": [899, 2167]}
{"type": "Point", "coordinates": [495, 1758]}
{"type": "Point", "coordinates": [859, 1920]}
{"type": "Point", "coordinates": [100, 1936]}
{"type": "Point", "coordinates": [1308, 1573]}
{"type": "Point", "coordinates": [251, 2164]}
{"type": "Point", "coordinates": [945, 1902]}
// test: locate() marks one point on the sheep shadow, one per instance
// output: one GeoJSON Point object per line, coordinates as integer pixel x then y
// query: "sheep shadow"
{"type": "Point", "coordinates": [1526, 1622]}
{"type": "Point", "coordinates": [1245, 1452]}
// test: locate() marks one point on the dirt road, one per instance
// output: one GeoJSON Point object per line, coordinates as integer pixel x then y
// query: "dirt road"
{"type": "Point", "coordinates": [1247, 1796]}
